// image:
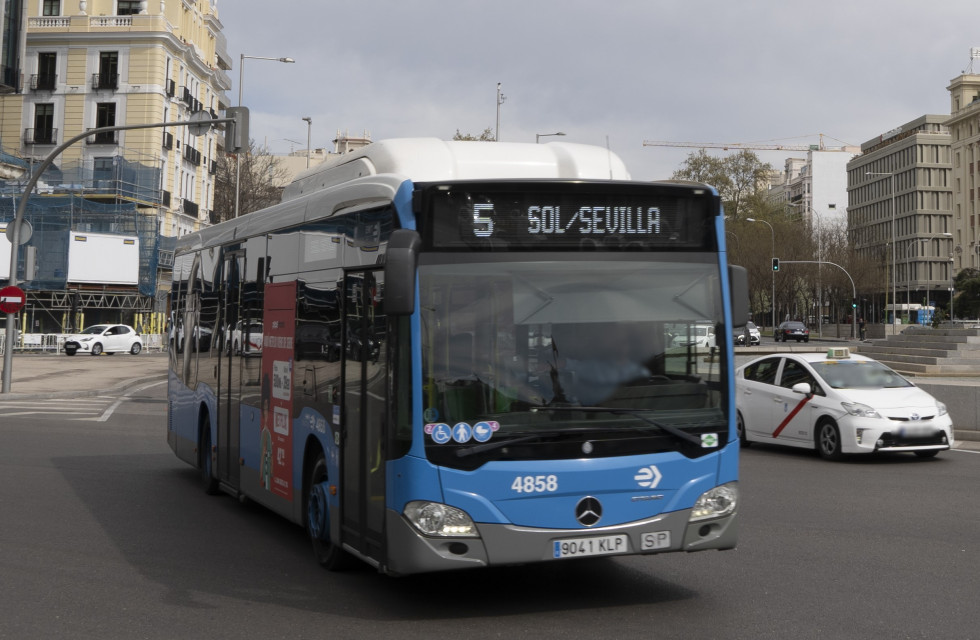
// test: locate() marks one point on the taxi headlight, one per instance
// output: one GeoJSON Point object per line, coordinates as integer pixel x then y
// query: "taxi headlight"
{"type": "Point", "coordinates": [435, 519]}
{"type": "Point", "coordinates": [860, 410]}
{"type": "Point", "coordinates": [716, 503]}
{"type": "Point", "coordinates": [88, 339]}
{"type": "Point", "coordinates": [942, 408]}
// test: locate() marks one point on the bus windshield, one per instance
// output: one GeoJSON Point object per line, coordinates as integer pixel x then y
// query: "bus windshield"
{"type": "Point", "coordinates": [507, 343]}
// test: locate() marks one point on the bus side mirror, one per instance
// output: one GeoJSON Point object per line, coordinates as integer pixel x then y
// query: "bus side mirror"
{"type": "Point", "coordinates": [401, 261]}
{"type": "Point", "coordinates": [738, 277]}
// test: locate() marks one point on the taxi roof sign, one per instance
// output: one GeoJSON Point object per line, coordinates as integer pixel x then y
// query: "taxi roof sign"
{"type": "Point", "coordinates": [838, 353]}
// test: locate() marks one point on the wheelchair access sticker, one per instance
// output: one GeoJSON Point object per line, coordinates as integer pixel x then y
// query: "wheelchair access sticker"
{"type": "Point", "coordinates": [462, 432]}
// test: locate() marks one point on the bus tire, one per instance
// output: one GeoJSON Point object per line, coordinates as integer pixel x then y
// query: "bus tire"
{"type": "Point", "coordinates": [208, 482]}
{"type": "Point", "coordinates": [316, 518]}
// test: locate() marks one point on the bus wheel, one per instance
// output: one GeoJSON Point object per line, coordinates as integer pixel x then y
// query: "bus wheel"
{"type": "Point", "coordinates": [317, 511]}
{"type": "Point", "coordinates": [208, 482]}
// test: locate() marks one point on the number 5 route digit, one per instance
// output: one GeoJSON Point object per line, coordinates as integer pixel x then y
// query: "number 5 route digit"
{"type": "Point", "coordinates": [482, 224]}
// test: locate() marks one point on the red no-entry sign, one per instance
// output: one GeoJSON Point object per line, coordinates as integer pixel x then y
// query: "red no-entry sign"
{"type": "Point", "coordinates": [12, 299]}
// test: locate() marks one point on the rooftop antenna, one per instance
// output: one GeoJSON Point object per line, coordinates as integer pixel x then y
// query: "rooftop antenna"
{"type": "Point", "coordinates": [974, 55]}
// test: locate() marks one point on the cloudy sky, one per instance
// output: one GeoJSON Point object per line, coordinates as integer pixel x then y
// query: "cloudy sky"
{"type": "Point", "coordinates": [622, 71]}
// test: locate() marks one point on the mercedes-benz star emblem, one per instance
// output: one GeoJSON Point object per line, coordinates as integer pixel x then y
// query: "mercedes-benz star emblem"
{"type": "Point", "coordinates": [588, 511]}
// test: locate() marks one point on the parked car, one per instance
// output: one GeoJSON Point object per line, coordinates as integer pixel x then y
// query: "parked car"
{"type": "Point", "coordinates": [792, 330]}
{"type": "Point", "coordinates": [698, 335]}
{"type": "Point", "coordinates": [104, 338]}
{"type": "Point", "coordinates": [837, 403]}
{"type": "Point", "coordinates": [754, 336]}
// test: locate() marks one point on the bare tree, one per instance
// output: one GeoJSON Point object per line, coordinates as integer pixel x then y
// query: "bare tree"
{"type": "Point", "coordinates": [262, 181]}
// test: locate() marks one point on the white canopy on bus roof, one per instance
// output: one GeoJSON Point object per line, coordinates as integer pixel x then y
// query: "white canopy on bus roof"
{"type": "Point", "coordinates": [431, 159]}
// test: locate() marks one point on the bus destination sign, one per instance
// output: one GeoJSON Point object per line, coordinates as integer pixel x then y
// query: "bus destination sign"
{"type": "Point", "coordinates": [566, 216]}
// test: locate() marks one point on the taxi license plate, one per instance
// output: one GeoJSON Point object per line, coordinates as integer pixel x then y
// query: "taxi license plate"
{"type": "Point", "coordinates": [916, 431]}
{"type": "Point", "coordinates": [598, 546]}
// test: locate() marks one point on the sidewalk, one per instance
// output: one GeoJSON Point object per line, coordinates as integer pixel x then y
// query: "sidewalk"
{"type": "Point", "coordinates": [41, 376]}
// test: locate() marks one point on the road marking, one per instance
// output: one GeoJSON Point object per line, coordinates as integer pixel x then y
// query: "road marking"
{"type": "Point", "coordinates": [108, 412]}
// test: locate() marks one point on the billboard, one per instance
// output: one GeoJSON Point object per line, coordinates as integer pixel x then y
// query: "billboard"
{"type": "Point", "coordinates": [101, 258]}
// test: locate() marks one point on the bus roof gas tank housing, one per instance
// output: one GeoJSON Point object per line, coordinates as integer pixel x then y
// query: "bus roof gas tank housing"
{"type": "Point", "coordinates": [431, 159]}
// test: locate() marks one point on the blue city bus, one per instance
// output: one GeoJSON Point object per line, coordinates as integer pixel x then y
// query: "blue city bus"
{"type": "Point", "coordinates": [442, 355]}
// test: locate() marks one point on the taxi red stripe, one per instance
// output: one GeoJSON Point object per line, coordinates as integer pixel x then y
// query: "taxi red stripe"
{"type": "Point", "coordinates": [792, 414]}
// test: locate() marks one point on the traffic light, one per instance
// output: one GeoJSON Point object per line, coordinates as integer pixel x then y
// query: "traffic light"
{"type": "Point", "coordinates": [236, 133]}
{"type": "Point", "coordinates": [775, 264]}
{"type": "Point", "coordinates": [854, 304]}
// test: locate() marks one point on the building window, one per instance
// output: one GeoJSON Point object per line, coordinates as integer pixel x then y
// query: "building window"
{"type": "Point", "coordinates": [51, 8]}
{"type": "Point", "coordinates": [105, 116]}
{"type": "Point", "coordinates": [108, 76]}
{"type": "Point", "coordinates": [47, 70]}
{"type": "Point", "coordinates": [128, 8]}
{"type": "Point", "coordinates": [44, 123]}
{"type": "Point", "coordinates": [102, 171]}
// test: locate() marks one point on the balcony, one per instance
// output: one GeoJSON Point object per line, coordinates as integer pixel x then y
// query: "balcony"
{"type": "Point", "coordinates": [192, 155]}
{"type": "Point", "coordinates": [44, 81]}
{"type": "Point", "coordinates": [105, 81]}
{"type": "Point", "coordinates": [190, 208]}
{"type": "Point", "coordinates": [168, 140]}
{"type": "Point", "coordinates": [104, 137]}
{"type": "Point", "coordinates": [41, 136]}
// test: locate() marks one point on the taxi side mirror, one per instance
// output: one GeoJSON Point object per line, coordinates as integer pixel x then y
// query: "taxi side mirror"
{"type": "Point", "coordinates": [802, 388]}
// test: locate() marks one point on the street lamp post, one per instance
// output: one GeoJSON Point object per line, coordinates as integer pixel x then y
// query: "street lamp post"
{"type": "Point", "coordinates": [238, 157]}
{"type": "Point", "coordinates": [892, 186]}
{"type": "Point", "coordinates": [772, 233]}
{"type": "Point", "coordinates": [538, 136]}
{"type": "Point", "coordinates": [309, 127]}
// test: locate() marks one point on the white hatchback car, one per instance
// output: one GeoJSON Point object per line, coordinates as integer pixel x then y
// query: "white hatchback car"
{"type": "Point", "coordinates": [837, 403]}
{"type": "Point", "coordinates": [104, 338]}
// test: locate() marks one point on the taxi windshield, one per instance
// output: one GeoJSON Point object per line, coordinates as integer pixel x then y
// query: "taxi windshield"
{"type": "Point", "coordinates": [859, 374]}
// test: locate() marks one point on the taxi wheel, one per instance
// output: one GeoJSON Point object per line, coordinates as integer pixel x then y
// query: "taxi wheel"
{"type": "Point", "coordinates": [96, 349]}
{"type": "Point", "coordinates": [136, 348]}
{"type": "Point", "coordinates": [828, 441]}
{"type": "Point", "coordinates": [740, 429]}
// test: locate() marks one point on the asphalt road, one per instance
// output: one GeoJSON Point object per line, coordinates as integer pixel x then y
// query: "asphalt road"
{"type": "Point", "coordinates": [105, 534]}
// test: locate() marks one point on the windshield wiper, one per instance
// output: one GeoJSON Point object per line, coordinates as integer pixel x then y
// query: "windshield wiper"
{"type": "Point", "coordinates": [497, 444]}
{"type": "Point", "coordinates": [636, 413]}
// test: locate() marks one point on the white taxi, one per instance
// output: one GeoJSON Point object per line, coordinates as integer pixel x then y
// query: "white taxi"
{"type": "Point", "coordinates": [837, 403]}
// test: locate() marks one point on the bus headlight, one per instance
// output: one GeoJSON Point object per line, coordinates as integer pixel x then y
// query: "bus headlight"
{"type": "Point", "coordinates": [716, 503]}
{"type": "Point", "coordinates": [435, 519]}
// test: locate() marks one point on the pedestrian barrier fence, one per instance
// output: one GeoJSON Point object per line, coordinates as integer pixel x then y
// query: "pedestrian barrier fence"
{"type": "Point", "coordinates": [55, 342]}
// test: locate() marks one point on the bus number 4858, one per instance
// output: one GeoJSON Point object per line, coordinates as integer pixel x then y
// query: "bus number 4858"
{"type": "Point", "coordinates": [535, 484]}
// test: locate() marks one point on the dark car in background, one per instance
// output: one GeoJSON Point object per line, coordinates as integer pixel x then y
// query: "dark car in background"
{"type": "Point", "coordinates": [792, 330]}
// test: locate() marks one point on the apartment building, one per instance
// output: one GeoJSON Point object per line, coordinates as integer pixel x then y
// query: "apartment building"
{"type": "Point", "coordinates": [963, 124]}
{"type": "Point", "coordinates": [900, 197]}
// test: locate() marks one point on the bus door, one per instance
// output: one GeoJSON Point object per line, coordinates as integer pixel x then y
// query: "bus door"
{"type": "Point", "coordinates": [229, 379]}
{"type": "Point", "coordinates": [364, 410]}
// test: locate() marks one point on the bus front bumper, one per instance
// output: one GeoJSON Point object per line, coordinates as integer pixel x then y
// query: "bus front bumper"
{"type": "Point", "coordinates": [409, 551]}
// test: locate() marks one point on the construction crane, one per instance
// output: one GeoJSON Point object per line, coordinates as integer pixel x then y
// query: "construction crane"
{"type": "Point", "coordinates": [759, 146]}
